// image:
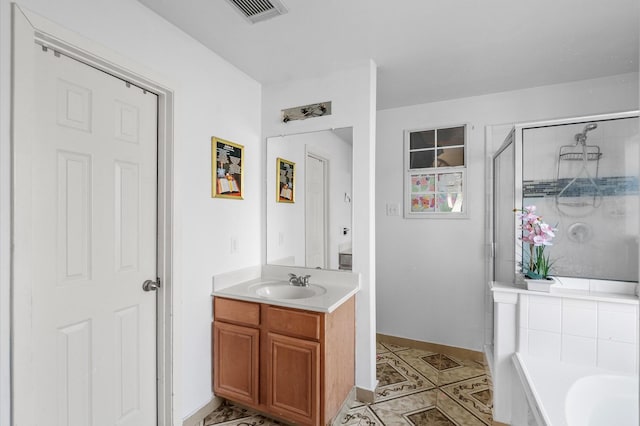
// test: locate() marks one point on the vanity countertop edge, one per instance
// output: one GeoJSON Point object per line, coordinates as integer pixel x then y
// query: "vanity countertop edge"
{"type": "Point", "coordinates": [336, 295]}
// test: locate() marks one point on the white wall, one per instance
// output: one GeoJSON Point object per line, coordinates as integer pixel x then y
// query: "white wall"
{"type": "Point", "coordinates": [212, 98]}
{"type": "Point", "coordinates": [353, 93]}
{"type": "Point", "coordinates": [5, 225]}
{"type": "Point", "coordinates": [431, 272]}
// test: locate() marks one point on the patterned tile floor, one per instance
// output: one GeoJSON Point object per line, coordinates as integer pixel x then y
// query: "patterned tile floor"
{"type": "Point", "coordinates": [416, 388]}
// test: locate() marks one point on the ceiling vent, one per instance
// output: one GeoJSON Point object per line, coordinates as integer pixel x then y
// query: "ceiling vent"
{"type": "Point", "coordinates": [259, 10]}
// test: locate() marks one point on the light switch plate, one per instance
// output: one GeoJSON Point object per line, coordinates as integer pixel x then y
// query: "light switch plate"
{"type": "Point", "coordinates": [393, 209]}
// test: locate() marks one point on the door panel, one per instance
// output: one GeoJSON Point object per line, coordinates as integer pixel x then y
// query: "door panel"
{"type": "Point", "coordinates": [127, 368]}
{"type": "Point", "coordinates": [74, 374]}
{"type": "Point", "coordinates": [74, 220]}
{"type": "Point", "coordinates": [93, 216]}
{"type": "Point", "coordinates": [127, 200]}
{"type": "Point", "coordinates": [315, 213]}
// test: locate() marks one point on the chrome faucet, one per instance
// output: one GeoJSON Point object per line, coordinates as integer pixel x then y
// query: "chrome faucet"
{"type": "Point", "coordinates": [301, 281]}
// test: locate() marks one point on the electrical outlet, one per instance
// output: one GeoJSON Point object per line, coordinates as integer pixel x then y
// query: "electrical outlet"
{"type": "Point", "coordinates": [393, 209]}
{"type": "Point", "coordinates": [234, 245]}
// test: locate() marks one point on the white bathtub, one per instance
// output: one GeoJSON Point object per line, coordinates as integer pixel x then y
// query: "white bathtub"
{"type": "Point", "coordinates": [603, 399]}
{"type": "Point", "coordinates": [561, 394]}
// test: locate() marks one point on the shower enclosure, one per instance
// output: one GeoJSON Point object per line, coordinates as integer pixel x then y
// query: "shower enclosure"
{"type": "Point", "coordinates": [582, 176]}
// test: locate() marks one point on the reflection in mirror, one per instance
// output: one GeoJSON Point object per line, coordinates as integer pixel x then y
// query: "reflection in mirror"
{"type": "Point", "coordinates": [310, 225]}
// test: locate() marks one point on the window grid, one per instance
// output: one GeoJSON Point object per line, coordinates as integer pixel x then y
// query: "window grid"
{"type": "Point", "coordinates": [435, 185]}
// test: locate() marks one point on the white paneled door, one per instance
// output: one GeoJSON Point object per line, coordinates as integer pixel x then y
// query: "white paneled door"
{"type": "Point", "coordinates": [93, 214]}
{"type": "Point", "coordinates": [315, 213]}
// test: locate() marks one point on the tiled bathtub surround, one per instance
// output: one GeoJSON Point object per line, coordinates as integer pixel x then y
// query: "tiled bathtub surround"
{"type": "Point", "coordinates": [598, 286]}
{"type": "Point", "coordinates": [595, 333]}
{"type": "Point", "coordinates": [587, 332]}
{"type": "Point", "coordinates": [416, 388]}
{"type": "Point", "coordinates": [590, 329]}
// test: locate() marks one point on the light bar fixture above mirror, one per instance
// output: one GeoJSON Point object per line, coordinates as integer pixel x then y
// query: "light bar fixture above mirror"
{"type": "Point", "coordinates": [306, 111]}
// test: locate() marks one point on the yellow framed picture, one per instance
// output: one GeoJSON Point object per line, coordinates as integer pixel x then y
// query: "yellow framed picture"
{"type": "Point", "coordinates": [227, 169]}
{"type": "Point", "coordinates": [285, 181]}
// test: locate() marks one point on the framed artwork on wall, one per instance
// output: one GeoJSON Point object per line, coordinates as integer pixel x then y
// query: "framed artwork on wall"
{"type": "Point", "coordinates": [285, 181]}
{"type": "Point", "coordinates": [227, 169]}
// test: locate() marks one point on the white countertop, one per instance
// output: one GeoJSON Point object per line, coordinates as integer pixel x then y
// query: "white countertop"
{"type": "Point", "coordinates": [335, 295]}
{"type": "Point", "coordinates": [560, 291]}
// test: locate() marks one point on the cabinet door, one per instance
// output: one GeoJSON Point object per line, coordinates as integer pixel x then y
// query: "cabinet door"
{"type": "Point", "coordinates": [235, 362]}
{"type": "Point", "coordinates": [294, 378]}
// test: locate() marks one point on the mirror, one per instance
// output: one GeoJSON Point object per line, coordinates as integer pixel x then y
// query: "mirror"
{"type": "Point", "coordinates": [309, 181]}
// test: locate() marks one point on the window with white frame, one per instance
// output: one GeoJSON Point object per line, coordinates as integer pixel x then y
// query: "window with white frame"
{"type": "Point", "coordinates": [435, 172]}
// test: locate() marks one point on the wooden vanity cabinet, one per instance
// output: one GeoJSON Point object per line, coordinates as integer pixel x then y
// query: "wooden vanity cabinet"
{"type": "Point", "coordinates": [293, 377]}
{"type": "Point", "coordinates": [236, 348]}
{"type": "Point", "coordinates": [306, 360]}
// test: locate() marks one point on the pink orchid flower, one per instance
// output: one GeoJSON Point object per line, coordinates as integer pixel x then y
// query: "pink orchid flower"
{"type": "Point", "coordinates": [538, 235]}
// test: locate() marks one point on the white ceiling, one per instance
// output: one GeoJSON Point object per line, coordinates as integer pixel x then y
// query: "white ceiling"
{"type": "Point", "coordinates": [426, 50]}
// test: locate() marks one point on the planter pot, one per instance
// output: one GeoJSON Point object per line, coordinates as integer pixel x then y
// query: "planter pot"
{"type": "Point", "coordinates": [540, 285]}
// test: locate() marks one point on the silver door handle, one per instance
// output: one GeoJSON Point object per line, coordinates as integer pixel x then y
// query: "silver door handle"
{"type": "Point", "coordinates": [150, 285]}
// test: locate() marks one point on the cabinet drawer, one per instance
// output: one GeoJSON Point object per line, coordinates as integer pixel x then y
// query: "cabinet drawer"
{"type": "Point", "coordinates": [294, 323]}
{"type": "Point", "coordinates": [236, 311]}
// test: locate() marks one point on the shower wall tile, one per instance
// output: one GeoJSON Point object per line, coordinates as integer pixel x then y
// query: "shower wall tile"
{"type": "Point", "coordinates": [523, 311]}
{"type": "Point", "coordinates": [545, 345]}
{"type": "Point", "coordinates": [607, 286]}
{"type": "Point", "coordinates": [579, 331]}
{"type": "Point", "coordinates": [579, 350]}
{"type": "Point", "coordinates": [618, 142]}
{"type": "Point", "coordinates": [580, 318]}
{"type": "Point", "coordinates": [574, 283]}
{"type": "Point", "coordinates": [617, 356]}
{"type": "Point", "coordinates": [545, 313]}
{"type": "Point", "coordinates": [617, 322]}
{"type": "Point", "coordinates": [581, 187]}
{"type": "Point", "coordinates": [523, 340]}
{"type": "Point", "coordinates": [606, 247]}
{"type": "Point", "coordinates": [601, 246]}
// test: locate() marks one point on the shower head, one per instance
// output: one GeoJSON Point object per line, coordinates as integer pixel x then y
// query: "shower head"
{"type": "Point", "coordinates": [582, 137]}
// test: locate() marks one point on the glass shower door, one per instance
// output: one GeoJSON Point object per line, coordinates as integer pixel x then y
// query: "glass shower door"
{"type": "Point", "coordinates": [504, 227]}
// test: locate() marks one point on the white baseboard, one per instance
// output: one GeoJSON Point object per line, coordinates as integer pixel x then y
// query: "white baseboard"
{"type": "Point", "coordinates": [365, 395]}
{"type": "Point", "coordinates": [197, 418]}
{"type": "Point", "coordinates": [488, 354]}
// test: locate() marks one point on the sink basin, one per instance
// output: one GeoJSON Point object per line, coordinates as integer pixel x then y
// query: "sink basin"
{"type": "Point", "coordinates": [284, 290]}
